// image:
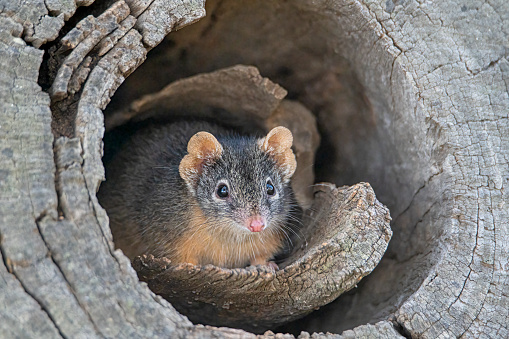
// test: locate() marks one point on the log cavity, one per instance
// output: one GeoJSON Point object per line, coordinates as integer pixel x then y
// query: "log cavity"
{"type": "Point", "coordinates": [344, 70]}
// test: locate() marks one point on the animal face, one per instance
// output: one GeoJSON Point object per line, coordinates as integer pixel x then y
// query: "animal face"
{"type": "Point", "coordinates": [244, 190]}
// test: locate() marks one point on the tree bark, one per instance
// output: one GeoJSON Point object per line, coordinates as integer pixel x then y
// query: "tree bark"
{"type": "Point", "coordinates": [410, 96]}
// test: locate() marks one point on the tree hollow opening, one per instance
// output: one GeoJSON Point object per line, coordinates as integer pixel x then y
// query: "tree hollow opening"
{"type": "Point", "coordinates": [336, 62]}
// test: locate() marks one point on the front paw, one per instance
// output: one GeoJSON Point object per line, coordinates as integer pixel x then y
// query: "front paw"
{"type": "Point", "coordinates": [273, 265]}
{"type": "Point", "coordinates": [269, 264]}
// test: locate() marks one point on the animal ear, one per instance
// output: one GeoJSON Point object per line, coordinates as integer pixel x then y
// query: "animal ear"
{"type": "Point", "coordinates": [278, 145]}
{"type": "Point", "coordinates": [203, 149]}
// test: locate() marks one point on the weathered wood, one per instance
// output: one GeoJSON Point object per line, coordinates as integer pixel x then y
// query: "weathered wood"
{"type": "Point", "coordinates": [256, 299]}
{"type": "Point", "coordinates": [41, 19]}
{"type": "Point", "coordinates": [65, 279]}
{"type": "Point", "coordinates": [418, 108]}
{"type": "Point", "coordinates": [26, 194]}
{"type": "Point", "coordinates": [236, 93]}
{"type": "Point", "coordinates": [411, 96]}
{"type": "Point", "coordinates": [101, 27]}
{"type": "Point", "coordinates": [344, 236]}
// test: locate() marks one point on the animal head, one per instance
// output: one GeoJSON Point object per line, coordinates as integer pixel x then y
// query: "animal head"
{"type": "Point", "coordinates": [242, 180]}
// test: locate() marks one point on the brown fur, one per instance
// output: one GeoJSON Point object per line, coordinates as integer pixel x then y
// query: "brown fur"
{"type": "Point", "coordinates": [201, 245]}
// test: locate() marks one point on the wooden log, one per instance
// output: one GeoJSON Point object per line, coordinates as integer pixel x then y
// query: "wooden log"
{"type": "Point", "coordinates": [410, 96]}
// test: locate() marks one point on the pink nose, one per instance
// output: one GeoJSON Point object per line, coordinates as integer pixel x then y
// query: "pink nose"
{"type": "Point", "coordinates": [256, 225]}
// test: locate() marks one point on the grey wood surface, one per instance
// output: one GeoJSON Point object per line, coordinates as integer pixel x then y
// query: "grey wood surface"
{"type": "Point", "coordinates": [442, 70]}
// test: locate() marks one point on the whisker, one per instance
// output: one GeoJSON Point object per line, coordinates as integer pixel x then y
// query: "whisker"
{"type": "Point", "coordinates": [319, 185]}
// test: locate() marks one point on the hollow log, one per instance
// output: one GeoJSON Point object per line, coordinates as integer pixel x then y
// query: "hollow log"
{"type": "Point", "coordinates": [340, 239]}
{"type": "Point", "coordinates": [410, 96]}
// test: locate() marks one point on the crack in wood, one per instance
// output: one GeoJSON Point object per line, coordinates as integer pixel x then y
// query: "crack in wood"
{"type": "Point", "coordinates": [30, 294]}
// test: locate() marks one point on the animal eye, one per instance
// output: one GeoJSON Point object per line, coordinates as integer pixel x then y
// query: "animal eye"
{"type": "Point", "coordinates": [222, 191]}
{"type": "Point", "coordinates": [270, 188]}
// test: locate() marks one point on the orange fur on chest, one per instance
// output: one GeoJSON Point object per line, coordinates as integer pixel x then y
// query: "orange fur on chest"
{"type": "Point", "coordinates": [203, 245]}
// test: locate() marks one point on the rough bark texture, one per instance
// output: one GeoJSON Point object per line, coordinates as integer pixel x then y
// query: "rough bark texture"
{"type": "Point", "coordinates": [410, 96]}
{"type": "Point", "coordinates": [60, 275]}
{"type": "Point", "coordinates": [240, 91]}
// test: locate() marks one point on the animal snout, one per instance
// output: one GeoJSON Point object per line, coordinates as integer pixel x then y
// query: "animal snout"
{"type": "Point", "coordinates": [256, 224]}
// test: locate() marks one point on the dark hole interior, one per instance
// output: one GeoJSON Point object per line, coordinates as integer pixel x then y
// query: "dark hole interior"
{"type": "Point", "coordinates": [333, 60]}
